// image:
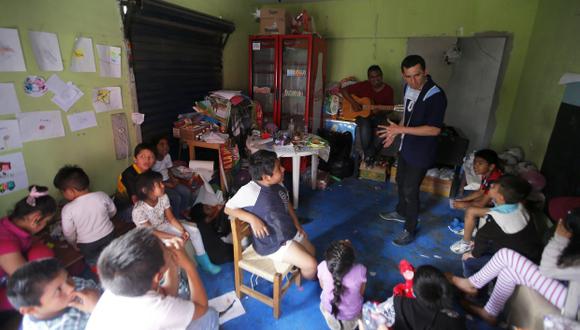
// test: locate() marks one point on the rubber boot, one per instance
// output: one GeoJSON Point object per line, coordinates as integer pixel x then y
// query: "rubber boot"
{"type": "Point", "coordinates": [205, 264]}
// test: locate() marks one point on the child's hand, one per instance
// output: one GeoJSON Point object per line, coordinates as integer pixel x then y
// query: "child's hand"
{"type": "Point", "coordinates": [467, 255]}
{"type": "Point", "coordinates": [85, 300]}
{"type": "Point", "coordinates": [562, 231]}
{"type": "Point", "coordinates": [460, 204]}
{"type": "Point", "coordinates": [173, 242]}
{"type": "Point", "coordinates": [177, 250]}
{"type": "Point", "coordinates": [185, 235]}
{"type": "Point", "coordinates": [259, 228]}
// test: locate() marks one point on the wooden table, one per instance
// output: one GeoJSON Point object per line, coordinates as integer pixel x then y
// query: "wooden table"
{"type": "Point", "coordinates": [192, 144]}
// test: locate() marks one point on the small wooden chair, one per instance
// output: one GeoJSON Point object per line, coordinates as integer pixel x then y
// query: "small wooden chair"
{"type": "Point", "coordinates": [247, 259]}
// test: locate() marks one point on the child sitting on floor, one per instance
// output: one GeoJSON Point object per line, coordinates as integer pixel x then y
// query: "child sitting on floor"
{"type": "Point", "coordinates": [179, 195]}
{"type": "Point", "coordinates": [434, 305]}
{"type": "Point", "coordinates": [140, 275]}
{"type": "Point", "coordinates": [265, 205]}
{"type": "Point", "coordinates": [48, 298]}
{"type": "Point", "coordinates": [485, 163]}
{"type": "Point", "coordinates": [86, 219]}
{"type": "Point", "coordinates": [29, 217]}
{"type": "Point", "coordinates": [214, 227]}
{"type": "Point", "coordinates": [125, 196]}
{"type": "Point", "coordinates": [560, 261]}
{"type": "Point", "coordinates": [153, 210]}
{"type": "Point", "coordinates": [506, 225]}
{"type": "Point", "coordinates": [520, 191]}
{"type": "Point", "coordinates": [343, 284]}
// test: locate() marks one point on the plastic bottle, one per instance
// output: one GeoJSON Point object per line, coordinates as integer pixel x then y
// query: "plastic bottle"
{"type": "Point", "coordinates": [291, 128]}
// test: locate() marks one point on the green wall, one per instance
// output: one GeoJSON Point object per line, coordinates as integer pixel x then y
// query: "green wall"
{"type": "Point", "coordinates": [554, 49]}
{"type": "Point", "coordinates": [360, 33]}
{"type": "Point", "coordinates": [236, 50]}
{"type": "Point", "coordinates": [92, 149]}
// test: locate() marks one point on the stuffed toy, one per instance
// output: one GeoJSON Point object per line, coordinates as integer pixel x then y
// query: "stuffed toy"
{"type": "Point", "coordinates": [408, 272]}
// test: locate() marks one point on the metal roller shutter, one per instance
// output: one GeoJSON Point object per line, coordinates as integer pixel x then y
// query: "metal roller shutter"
{"type": "Point", "coordinates": [176, 58]}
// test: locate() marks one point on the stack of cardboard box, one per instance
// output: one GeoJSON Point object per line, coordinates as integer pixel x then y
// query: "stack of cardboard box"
{"type": "Point", "coordinates": [429, 184]}
{"type": "Point", "coordinates": [274, 21]}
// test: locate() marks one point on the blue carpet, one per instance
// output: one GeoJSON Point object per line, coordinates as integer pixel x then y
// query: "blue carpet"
{"type": "Point", "coordinates": [349, 210]}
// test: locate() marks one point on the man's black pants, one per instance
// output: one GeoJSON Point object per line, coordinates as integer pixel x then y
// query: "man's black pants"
{"type": "Point", "coordinates": [370, 142]}
{"type": "Point", "coordinates": [409, 180]}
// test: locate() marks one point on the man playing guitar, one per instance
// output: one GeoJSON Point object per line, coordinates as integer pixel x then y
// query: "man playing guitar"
{"type": "Point", "coordinates": [381, 96]}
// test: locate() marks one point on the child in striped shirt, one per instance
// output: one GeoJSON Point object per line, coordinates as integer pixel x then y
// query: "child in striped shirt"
{"type": "Point", "coordinates": [560, 262]}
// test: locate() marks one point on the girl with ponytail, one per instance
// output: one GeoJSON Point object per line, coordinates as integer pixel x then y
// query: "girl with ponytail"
{"type": "Point", "coordinates": [343, 283]}
{"type": "Point", "coordinates": [30, 215]}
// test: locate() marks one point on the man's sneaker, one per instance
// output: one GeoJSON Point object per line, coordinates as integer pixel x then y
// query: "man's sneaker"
{"type": "Point", "coordinates": [461, 247]}
{"type": "Point", "coordinates": [404, 238]}
{"type": "Point", "coordinates": [392, 216]}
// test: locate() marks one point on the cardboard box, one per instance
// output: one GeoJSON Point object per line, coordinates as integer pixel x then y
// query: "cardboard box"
{"type": "Point", "coordinates": [430, 184]}
{"type": "Point", "coordinates": [191, 131]}
{"type": "Point", "coordinates": [274, 21]}
{"type": "Point", "coordinates": [375, 173]}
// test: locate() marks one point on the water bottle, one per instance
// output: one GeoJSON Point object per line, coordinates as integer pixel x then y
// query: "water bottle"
{"type": "Point", "coordinates": [291, 128]}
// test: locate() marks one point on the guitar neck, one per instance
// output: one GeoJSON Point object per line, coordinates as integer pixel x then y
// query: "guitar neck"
{"type": "Point", "coordinates": [383, 107]}
{"type": "Point", "coordinates": [379, 107]}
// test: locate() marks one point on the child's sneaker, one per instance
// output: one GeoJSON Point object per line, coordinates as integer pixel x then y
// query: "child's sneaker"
{"type": "Point", "coordinates": [461, 247]}
{"type": "Point", "coordinates": [456, 226]}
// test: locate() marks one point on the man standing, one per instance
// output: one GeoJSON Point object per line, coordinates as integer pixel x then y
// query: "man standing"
{"type": "Point", "coordinates": [379, 93]}
{"type": "Point", "coordinates": [425, 105]}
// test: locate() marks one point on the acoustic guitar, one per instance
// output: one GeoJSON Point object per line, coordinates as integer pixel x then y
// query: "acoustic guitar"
{"type": "Point", "coordinates": [348, 112]}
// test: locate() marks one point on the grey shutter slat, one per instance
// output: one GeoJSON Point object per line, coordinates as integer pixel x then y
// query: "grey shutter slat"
{"type": "Point", "coordinates": [176, 57]}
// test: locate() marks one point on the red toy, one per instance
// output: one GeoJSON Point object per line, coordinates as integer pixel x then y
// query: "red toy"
{"type": "Point", "coordinates": [408, 272]}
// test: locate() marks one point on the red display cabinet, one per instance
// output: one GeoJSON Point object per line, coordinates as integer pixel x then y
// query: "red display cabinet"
{"type": "Point", "coordinates": [287, 74]}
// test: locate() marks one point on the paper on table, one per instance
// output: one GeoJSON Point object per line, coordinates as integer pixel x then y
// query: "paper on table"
{"type": "Point", "coordinates": [11, 58]}
{"type": "Point", "coordinates": [284, 150]}
{"type": "Point", "coordinates": [107, 99]}
{"type": "Point", "coordinates": [13, 175]}
{"type": "Point", "coordinates": [228, 306]}
{"type": "Point", "coordinates": [8, 100]}
{"type": "Point", "coordinates": [109, 61]}
{"type": "Point", "coordinates": [46, 50]}
{"type": "Point", "coordinates": [65, 94]}
{"type": "Point", "coordinates": [81, 120]}
{"type": "Point", "coordinates": [9, 135]}
{"type": "Point", "coordinates": [40, 125]}
{"type": "Point", "coordinates": [83, 58]}
{"type": "Point", "coordinates": [225, 94]}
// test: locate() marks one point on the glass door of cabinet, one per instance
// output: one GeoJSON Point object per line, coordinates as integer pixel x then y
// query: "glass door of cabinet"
{"type": "Point", "coordinates": [263, 75]}
{"type": "Point", "coordinates": [294, 83]}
